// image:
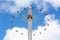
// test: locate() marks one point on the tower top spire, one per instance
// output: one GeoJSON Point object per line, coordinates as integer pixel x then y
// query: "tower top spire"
{"type": "Point", "coordinates": [30, 7]}
{"type": "Point", "coordinates": [30, 13]}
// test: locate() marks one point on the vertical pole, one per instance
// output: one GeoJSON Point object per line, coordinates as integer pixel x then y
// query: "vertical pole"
{"type": "Point", "coordinates": [29, 29]}
{"type": "Point", "coordinates": [30, 23]}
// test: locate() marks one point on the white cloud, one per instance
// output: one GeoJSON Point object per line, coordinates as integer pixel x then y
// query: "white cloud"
{"type": "Point", "coordinates": [24, 3]}
{"type": "Point", "coordinates": [54, 3]}
{"type": "Point", "coordinates": [51, 32]}
{"type": "Point", "coordinates": [43, 4]}
{"type": "Point", "coordinates": [16, 34]}
{"type": "Point", "coordinates": [13, 6]}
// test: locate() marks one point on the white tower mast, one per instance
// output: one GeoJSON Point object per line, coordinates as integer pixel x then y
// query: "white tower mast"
{"type": "Point", "coordinates": [29, 23]}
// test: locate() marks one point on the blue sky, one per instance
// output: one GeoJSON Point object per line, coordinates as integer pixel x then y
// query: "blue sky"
{"type": "Point", "coordinates": [20, 19]}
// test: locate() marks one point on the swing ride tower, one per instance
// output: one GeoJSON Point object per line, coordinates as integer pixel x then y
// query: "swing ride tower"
{"type": "Point", "coordinates": [29, 23]}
